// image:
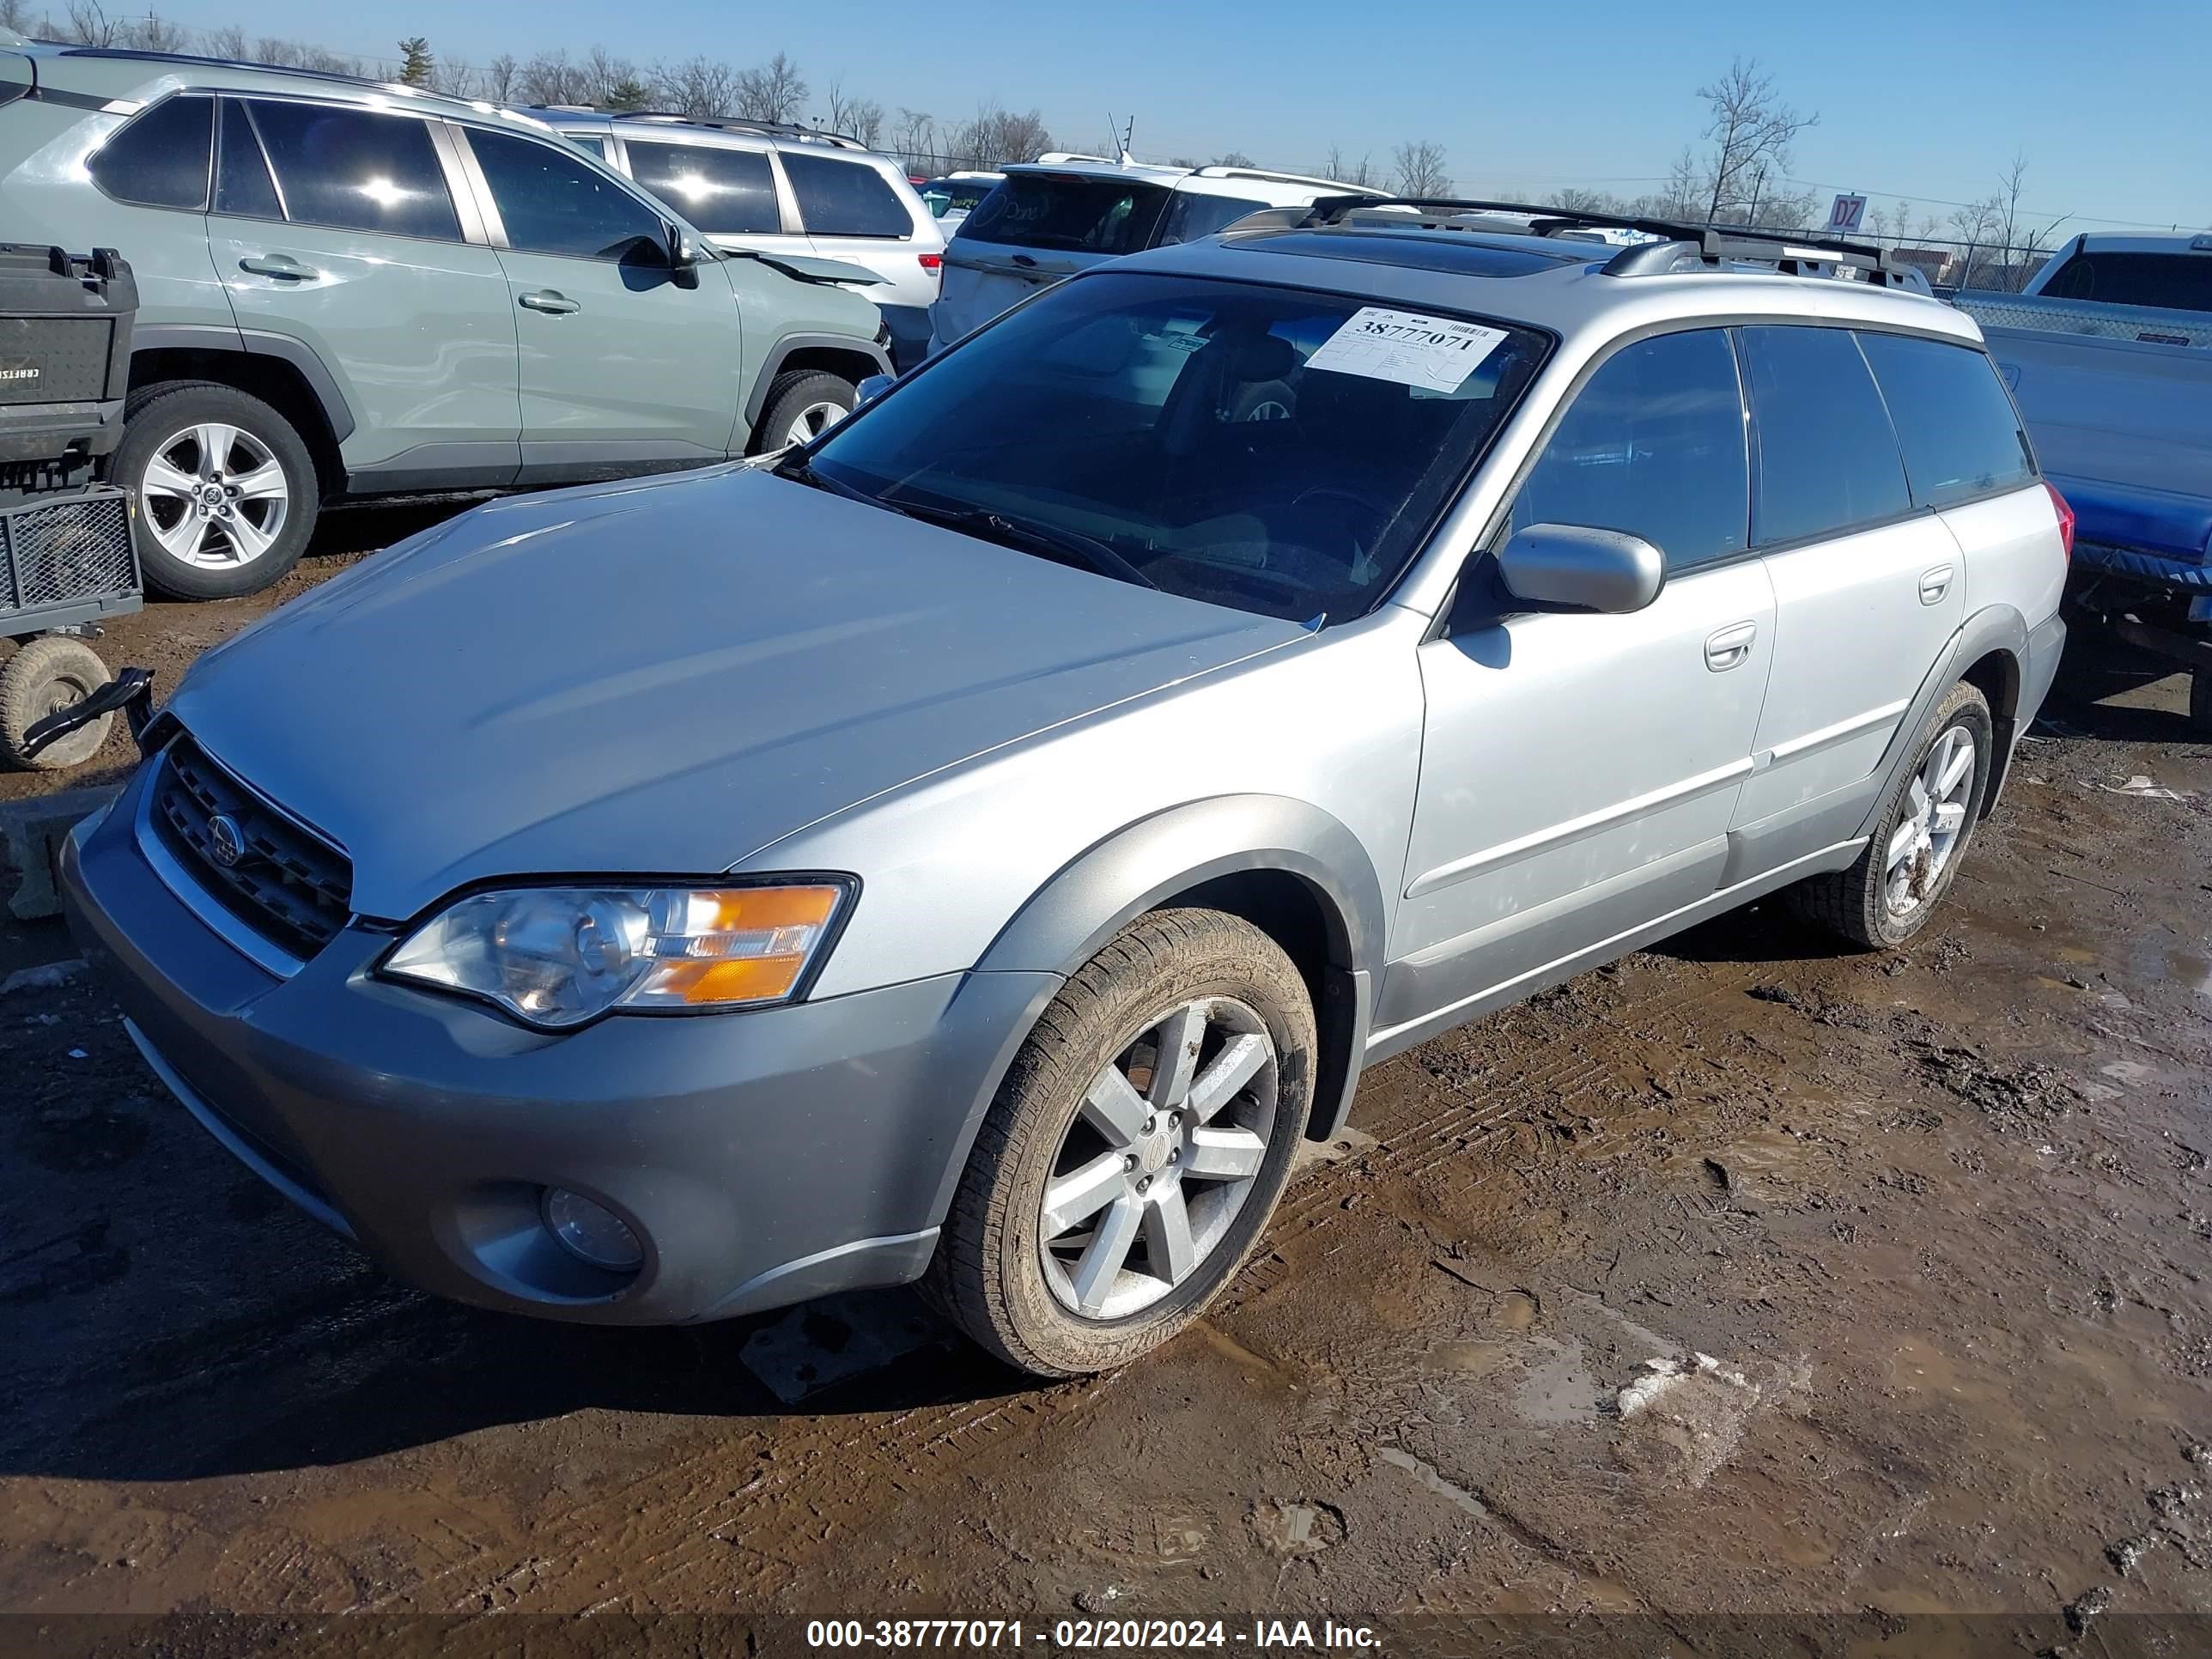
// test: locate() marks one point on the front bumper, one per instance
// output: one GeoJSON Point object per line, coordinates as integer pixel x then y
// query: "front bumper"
{"type": "Point", "coordinates": [761, 1158]}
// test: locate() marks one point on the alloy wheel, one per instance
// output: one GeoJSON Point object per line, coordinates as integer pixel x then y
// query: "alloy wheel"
{"type": "Point", "coordinates": [813, 421]}
{"type": "Point", "coordinates": [1160, 1159]}
{"type": "Point", "coordinates": [1933, 821]}
{"type": "Point", "coordinates": [215, 495]}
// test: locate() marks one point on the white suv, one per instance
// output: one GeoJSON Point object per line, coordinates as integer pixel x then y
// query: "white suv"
{"type": "Point", "coordinates": [1065, 213]}
{"type": "Point", "coordinates": [773, 189]}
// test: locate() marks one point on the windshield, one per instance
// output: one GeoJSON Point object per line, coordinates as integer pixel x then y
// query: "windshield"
{"type": "Point", "coordinates": [1069, 212]}
{"type": "Point", "coordinates": [1189, 426]}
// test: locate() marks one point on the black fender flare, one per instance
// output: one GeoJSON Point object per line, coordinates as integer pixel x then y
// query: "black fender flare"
{"type": "Point", "coordinates": [1110, 884]}
{"type": "Point", "coordinates": [791, 344]}
{"type": "Point", "coordinates": [257, 342]}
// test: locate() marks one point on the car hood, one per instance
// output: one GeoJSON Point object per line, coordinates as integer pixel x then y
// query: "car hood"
{"type": "Point", "coordinates": [662, 678]}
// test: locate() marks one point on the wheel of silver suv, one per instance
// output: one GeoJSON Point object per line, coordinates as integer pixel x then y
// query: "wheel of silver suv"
{"type": "Point", "coordinates": [226, 488]}
{"type": "Point", "coordinates": [1136, 1149]}
{"type": "Point", "coordinates": [1926, 819]}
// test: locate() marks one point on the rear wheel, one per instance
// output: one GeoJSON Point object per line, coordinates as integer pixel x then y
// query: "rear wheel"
{"type": "Point", "coordinates": [802, 405]}
{"type": "Point", "coordinates": [225, 490]}
{"type": "Point", "coordinates": [44, 677]}
{"type": "Point", "coordinates": [1135, 1150]}
{"type": "Point", "coordinates": [1927, 820]}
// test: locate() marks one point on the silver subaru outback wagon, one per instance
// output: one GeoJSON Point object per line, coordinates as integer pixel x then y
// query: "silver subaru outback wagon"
{"type": "Point", "coordinates": [976, 846]}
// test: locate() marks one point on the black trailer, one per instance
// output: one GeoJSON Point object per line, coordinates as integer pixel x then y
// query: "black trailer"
{"type": "Point", "coordinates": [67, 562]}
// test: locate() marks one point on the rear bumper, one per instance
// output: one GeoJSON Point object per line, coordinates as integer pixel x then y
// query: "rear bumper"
{"type": "Point", "coordinates": [761, 1158]}
{"type": "Point", "coordinates": [910, 327]}
{"type": "Point", "coordinates": [2188, 576]}
{"type": "Point", "coordinates": [2046, 643]}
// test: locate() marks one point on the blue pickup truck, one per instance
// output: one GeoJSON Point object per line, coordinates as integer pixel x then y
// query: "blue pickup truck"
{"type": "Point", "coordinates": [2109, 355]}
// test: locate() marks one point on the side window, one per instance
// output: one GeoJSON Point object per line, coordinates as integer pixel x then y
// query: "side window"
{"type": "Point", "coordinates": [1652, 444]}
{"type": "Point", "coordinates": [1828, 454]}
{"type": "Point", "coordinates": [550, 202]}
{"type": "Point", "coordinates": [242, 185]}
{"type": "Point", "coordinates": [160, 160]}
{"type": "Point", "coordinates": [356, 169]}
{"type": "Point", "coordinates": [1192, 217]}
{"type": "Point", "coordinates": [1959, 433]}
{"type": "Point", "coordinates": [845, 198]}
{"type": "Point", "coordinates": [726, 193]}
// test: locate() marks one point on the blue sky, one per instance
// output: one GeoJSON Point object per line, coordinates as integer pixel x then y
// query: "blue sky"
{"type": "Point", "coordinates": [1918, 101]}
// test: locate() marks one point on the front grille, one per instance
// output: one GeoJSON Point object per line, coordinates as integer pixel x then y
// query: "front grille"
{"type": "Point", "coordinates": [287, 883]}
{"type": "Point", "coordinates": [74, 548]}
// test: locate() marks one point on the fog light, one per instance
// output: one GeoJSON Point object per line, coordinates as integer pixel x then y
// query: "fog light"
{"type": "Point", "coordinates": [592, 1232]}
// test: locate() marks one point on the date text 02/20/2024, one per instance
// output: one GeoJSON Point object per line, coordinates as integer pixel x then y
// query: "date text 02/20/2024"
{"type": "Point", "coordinates": [1091, 1634]}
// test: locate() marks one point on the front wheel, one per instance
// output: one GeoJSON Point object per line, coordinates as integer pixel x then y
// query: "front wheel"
{"type": "Point", "coordinates": [1135, 1150]}
{"type": "Point", "coordinates": [1921, 833]}
{"type": "Point", "coordinates": [225, 490]}
{"type": "Point", "coordinates": [802, 405]}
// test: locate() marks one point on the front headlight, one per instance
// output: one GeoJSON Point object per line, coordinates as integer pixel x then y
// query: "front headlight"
{"type": "Point", "coordinates": [556, 957]}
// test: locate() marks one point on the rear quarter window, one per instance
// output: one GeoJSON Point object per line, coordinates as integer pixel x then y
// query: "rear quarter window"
{"type": "Point", "coordinates": [1067, 212]}
{"type": "Point", "coordinates": [845, 198]}
{"type": "Point", "coordinates": [1960, 435]}
{"type": "Point", "coordinates": [356, 169]}
{"type": "Point", "coordinates": [2172, 282]}
{"type": "Point", "coordinates": [161, 159]}
{"type": "Point", "coordinates": [726, 193]}
{"type": "Point", "coordinates": [1192, 217]}
{"type": "Point", "coordinates": [1827, 457]}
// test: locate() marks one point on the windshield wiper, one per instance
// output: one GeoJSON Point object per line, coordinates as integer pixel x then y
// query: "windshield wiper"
{"type": "Point", "coordinates": [1034, 537]}
{"type": "Point", "coordinates": [800, 471]}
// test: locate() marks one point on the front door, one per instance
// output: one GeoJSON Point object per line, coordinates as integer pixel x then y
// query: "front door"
{"type": "Point", "coordinates": [628, 365]}
{"type": "Point", "coordinates": [1578, 772]}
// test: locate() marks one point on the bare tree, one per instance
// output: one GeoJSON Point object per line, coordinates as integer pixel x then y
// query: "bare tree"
{"type": "Point", "coordinates": [1235, 158]}
{"type": "Point", "coordinates": [1420, 165]}
{"type": "Point", "coordinates": [698, 86]}
{"type": "Point", "coordinates": [2024, 246]}
{"type": "Point", "coordinates": [611, 81]}
{"type": "Point", "coordinates": [865, 122]}
{"type": "Point", "coordinates": [499, 78]}
{"type": "Point", "coordinates": [1582, 201]}
{"type": "Point", "coordinates": [229, 42]}
{"type": "Point", "coordinates": [16, 14]}
{"type": "Point", "coordinates": [1974, 227]}
{"type": "Point", "coordinates": [776, 91]}
{"type": "Point", "coordinates": [913, 137]}
{"type": "Point", "coordinates": [87, 25]}
{"type": "Point", "coordinates": [998, 136]}
{"type": "Point", "coordinates": [1750, 132]}
{"type": "Point", "coordinates": [550, 78]}
{"type": "Point", "coordinates": [153, 33]}
{"type": "Point", "coordinates": [1678, 197]}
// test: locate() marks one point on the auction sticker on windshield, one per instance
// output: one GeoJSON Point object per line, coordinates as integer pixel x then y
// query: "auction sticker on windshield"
{"type": "Point", "coordinates": [1436, 353]}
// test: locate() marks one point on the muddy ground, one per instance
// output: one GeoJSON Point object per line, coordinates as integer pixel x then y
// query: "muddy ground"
{"type": "Point", "coordinates": [1937, 1221]}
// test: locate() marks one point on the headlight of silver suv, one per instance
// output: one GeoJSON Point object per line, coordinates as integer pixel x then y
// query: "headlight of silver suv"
{"type": "Point", "coordinates": [556, 957]}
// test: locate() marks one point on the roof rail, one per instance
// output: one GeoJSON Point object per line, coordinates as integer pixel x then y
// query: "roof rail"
{"type": "Point", "coordinates": [1338, 186]}
{"type": "Point", "coordinates": [1052, 157]}
{"type": "Point", "coordinates": [718, 122]}
{"type": "Point", "coordinates": [1789, 251]}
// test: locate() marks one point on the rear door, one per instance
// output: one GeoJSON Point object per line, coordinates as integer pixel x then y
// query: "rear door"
{"type": "Point", "coordinates": [1869, 586]}
{"type": "Point", "coordinates": [335, 225]}
{"type": "Point", "coordinates": [1035, 229]}
{"type": "Point", "coordinates": [627, 364]}
{"type": "Point", "coordinates": [1578, 772]}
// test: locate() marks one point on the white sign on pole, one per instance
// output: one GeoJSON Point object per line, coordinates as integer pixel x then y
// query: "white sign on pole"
{"type": "Point", "coordinates": [1844, 217]}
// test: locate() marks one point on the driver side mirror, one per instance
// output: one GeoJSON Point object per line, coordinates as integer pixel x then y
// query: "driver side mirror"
{"type": "Point", "coordinates": [682, 256]}
{"type": "Point", "coordinates": [1572, 567]}
{"type": "Point", "coordinates": [874, 388]}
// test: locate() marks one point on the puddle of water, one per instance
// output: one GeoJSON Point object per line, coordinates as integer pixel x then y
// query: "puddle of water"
{"type": "Point", "coordinates": [1559, 1388]}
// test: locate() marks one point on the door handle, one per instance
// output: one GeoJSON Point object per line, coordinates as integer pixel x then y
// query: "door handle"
{"type": "Point", "coordinates": [276, 264]}
{"type": "Point", "coordinates": [1936, 583]}
{"type": "Point", "coordinates": [551, 302]}
{"type": "Point", "coordinates": [1728, 646]}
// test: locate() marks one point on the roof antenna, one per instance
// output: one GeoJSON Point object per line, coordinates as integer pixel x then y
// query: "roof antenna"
{"type": "Point", "coordinates": [1128, 132]}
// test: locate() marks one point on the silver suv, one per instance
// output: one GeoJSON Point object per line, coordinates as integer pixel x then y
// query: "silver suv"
{"type": "Point", "coordinates": [979, 846]}
{"type": "Point", "coordinates": [785, 190]}
{"type": "Point", "coordinates": [349, 290]}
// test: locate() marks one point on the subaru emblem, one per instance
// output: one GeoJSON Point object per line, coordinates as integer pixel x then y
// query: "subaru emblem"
{"type": "Point", "coordinates": [226, 841]}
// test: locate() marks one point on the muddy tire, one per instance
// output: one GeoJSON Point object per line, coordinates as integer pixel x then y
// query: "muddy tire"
{"type": "Point", "coordinates": [209, 525]}
{"type": "Point", "coordinates": [1113, 1191]}
{"type": "Point", "coordinates": [44, 677]}
{"type": "Point", "coordinates": [2200, 701]}
{"type": "Point", "coordinates": [802, 405]}
{"type": "Point", "coordinates": [1925, 824]}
